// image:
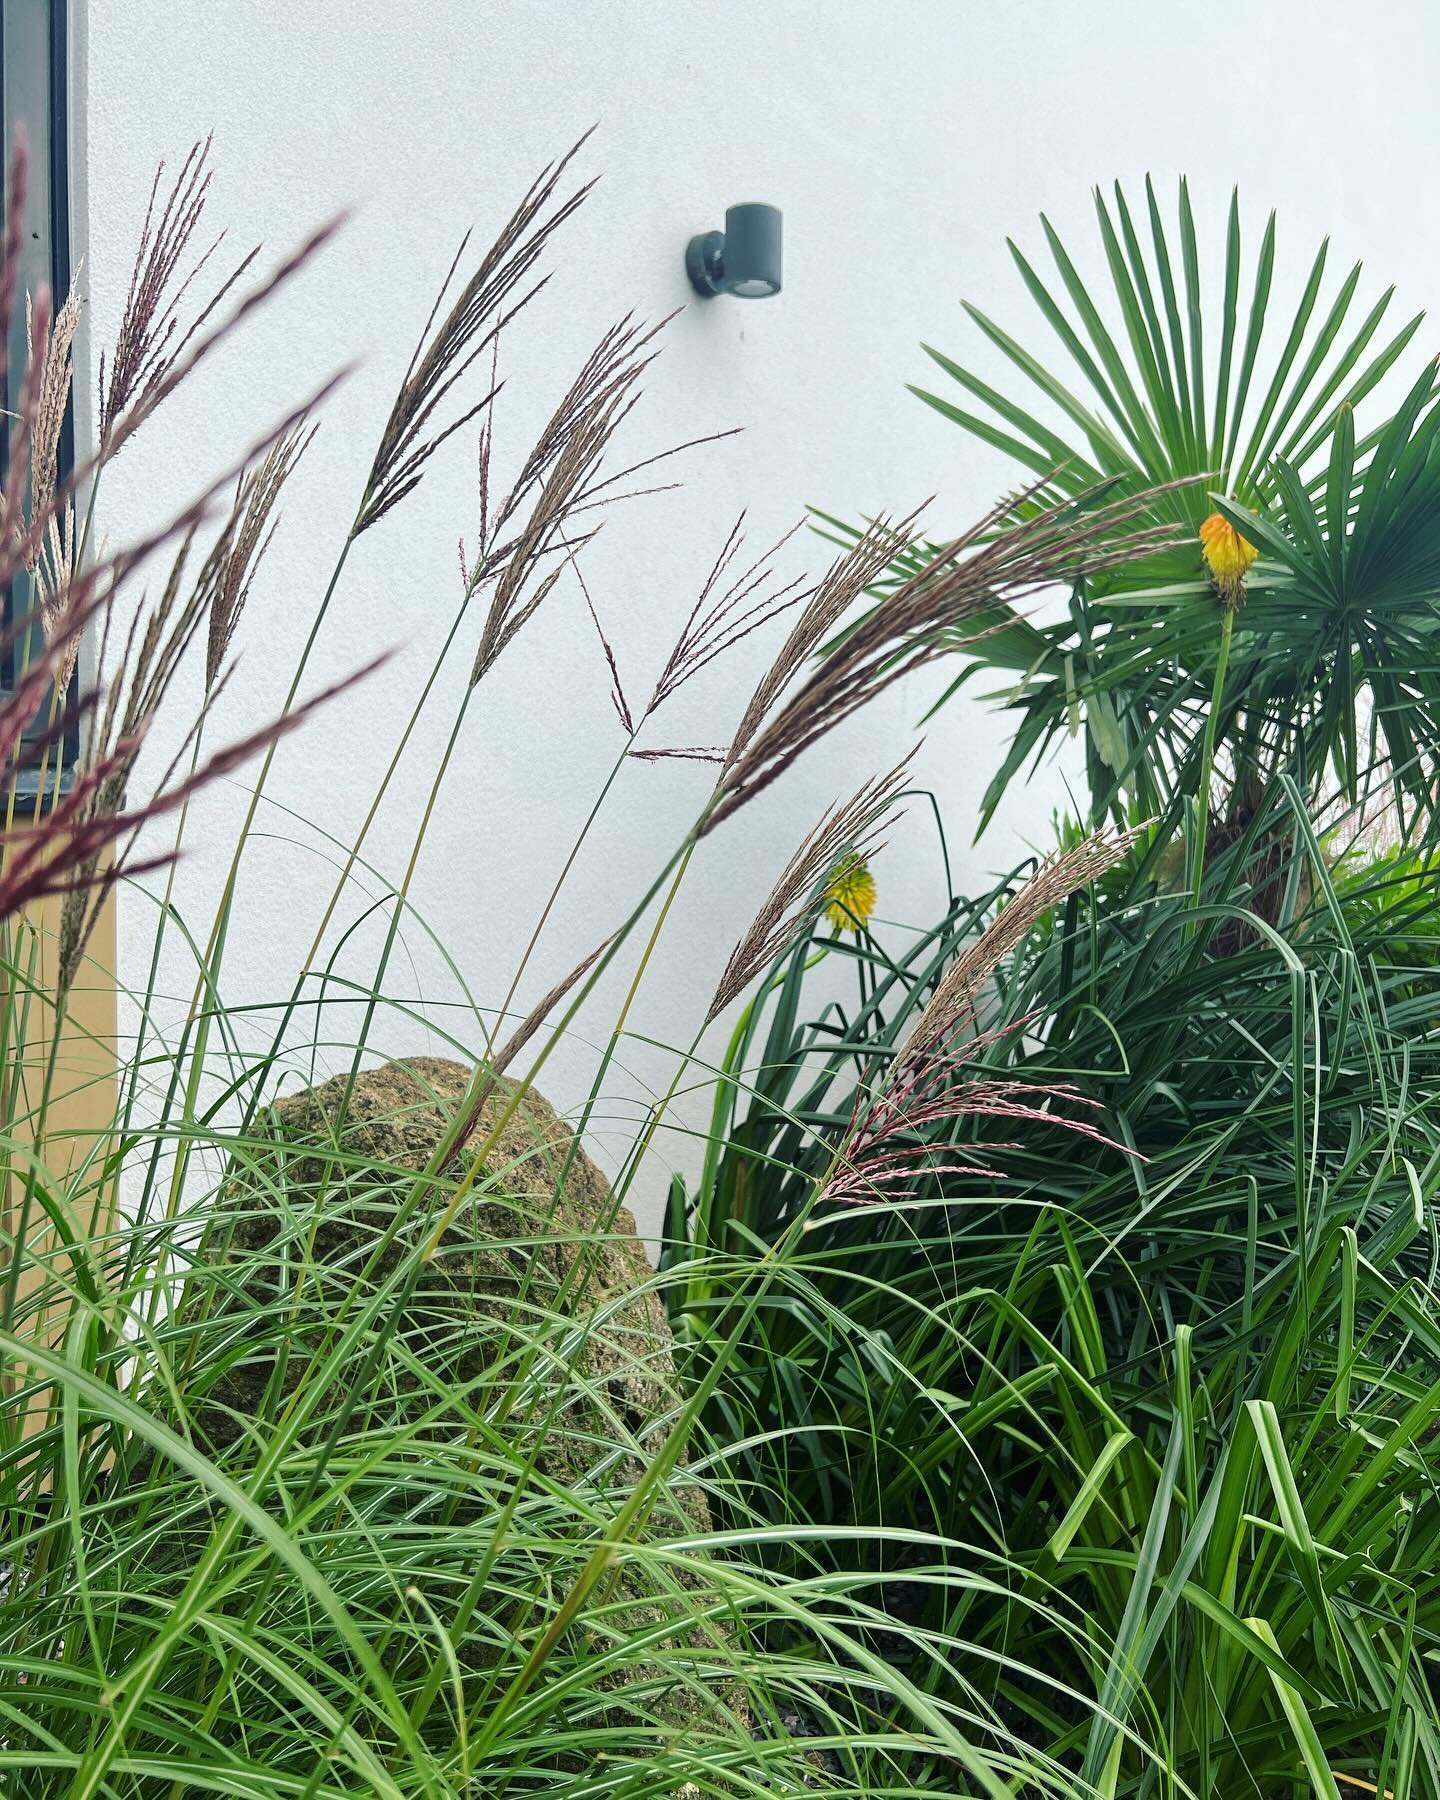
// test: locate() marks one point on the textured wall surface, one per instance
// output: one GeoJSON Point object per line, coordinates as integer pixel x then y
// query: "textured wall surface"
{"type": "Point", "coordinates": [904, 142]}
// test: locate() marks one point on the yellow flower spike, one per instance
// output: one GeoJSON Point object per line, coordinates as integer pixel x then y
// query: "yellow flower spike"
{"type": "Point", "coordinates": [850, 895]}
{"type": "Point", "coordinates": [1227, 557]}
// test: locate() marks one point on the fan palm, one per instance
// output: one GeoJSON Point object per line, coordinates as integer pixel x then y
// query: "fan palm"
{"type": "Point", "coordinates": [1332, 669]}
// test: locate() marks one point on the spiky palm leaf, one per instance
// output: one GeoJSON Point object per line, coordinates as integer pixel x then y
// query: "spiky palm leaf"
{"type": "Point", "coordinates": [1334, 672]}
{"type": "Point", "coordinates": [1175, 405]}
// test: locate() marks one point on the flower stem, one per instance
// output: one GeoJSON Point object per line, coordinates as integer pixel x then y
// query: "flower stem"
{"type": "Point", "coordinates": [207, 978]}
{"type": "Point", "coordinates": [1207, 753]}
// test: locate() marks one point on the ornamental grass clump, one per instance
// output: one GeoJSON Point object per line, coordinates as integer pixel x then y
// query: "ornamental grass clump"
{"type": "Point", "coordinates": [345, 1444]}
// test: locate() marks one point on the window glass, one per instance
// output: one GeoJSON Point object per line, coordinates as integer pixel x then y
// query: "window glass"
{"type": "Point", "coordinates": [33, 89]}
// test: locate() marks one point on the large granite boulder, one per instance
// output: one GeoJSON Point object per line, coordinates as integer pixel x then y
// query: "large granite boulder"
{"type": "Point", "coordinates": [539, 1308]}
{"type": "Point", "coordinates": [541, 1237]}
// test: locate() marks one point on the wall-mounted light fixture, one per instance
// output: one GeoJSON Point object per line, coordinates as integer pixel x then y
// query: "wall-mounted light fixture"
{"type": "Point", "coordinates": [743, 259]}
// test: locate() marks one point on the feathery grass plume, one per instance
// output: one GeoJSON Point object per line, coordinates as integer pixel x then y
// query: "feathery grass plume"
{"type": "Point", "coordinates": [145, 669]}
{"type": "Point", "coordinates": [51, 558]}
{"type": "Point", "coordinates": [13, 534]}
{"type": "Point", "coordinates": [154, 646]}
{"type": "Point", "coordinates": [94, 809]}
{"type": "Point", "coordinates": [136, 388]}
{"type": "Point", "coordinates": [109, 575]}
{"type": "Point", "coordinates": [56, 374]}
{"type": "Point", "coordinates": [233, 563]}
{"type": "Point", "coordinates": [91, 595]}
{"type": "Point", "coordinates": [926, 1086]}
{"type": "Point", "coordinates": [885, 1154]}
{"type": "Point", "coordinates": [31, 864]}
{"type": "Point", "coordinates": [18, 703]}
{"type": "Point", "coordinates": [16, 548]}
{"type": "Point", "coordinates": [559, 482]}
{"type": "Point", "coordinates": [67, 854]}
{"type": "Point", "coordinates": [151, 340]}
{"type": "Point", "coordinates": [561, 479]}
{"type": "Point", "coordinates": [846, 580]}
{"type": "Point", "coordinates": [617, 687]}
{"type": "Point", "coordinates": [179, 367]}
{"type": "Point", "coordinates": [997, 561]}
{"type": "Point", "coordinates": [849, 830]}
{"type": "Point", "coordinates": [487, 302]}
{"type": "Point", "coordinates": [720, 619]}
{"type": "Point", "coordinates": [21, 541]}
{"type": "Point", "coordinates": [153, 355]}
{"type": "Point", "coordinates": [954, 998]}
{"type": "Point", "coordinates": [542, 1009]}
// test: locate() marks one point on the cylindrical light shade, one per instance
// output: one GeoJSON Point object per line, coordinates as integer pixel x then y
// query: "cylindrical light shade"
{"type": "Point", "coordinates": [752, 250]}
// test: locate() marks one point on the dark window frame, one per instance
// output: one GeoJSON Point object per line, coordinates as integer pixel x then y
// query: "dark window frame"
{"type": "Point", "coordinates": [35, 92]}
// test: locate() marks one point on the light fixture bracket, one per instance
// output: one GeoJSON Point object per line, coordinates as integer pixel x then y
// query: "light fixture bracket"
{"type": "Point", "coordinates": [705, 263]}
{"type": "Point", "coordinates": [743, 259]}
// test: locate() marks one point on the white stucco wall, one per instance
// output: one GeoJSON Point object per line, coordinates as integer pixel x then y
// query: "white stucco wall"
{"type": "Point", "coordinates": [903, 140]}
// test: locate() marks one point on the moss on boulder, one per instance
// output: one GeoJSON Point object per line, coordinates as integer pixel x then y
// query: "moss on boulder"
{"type": "Point", "coordinates": [539, 1257]}
{"type": "Point", "coordinates": [539, 1313]}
